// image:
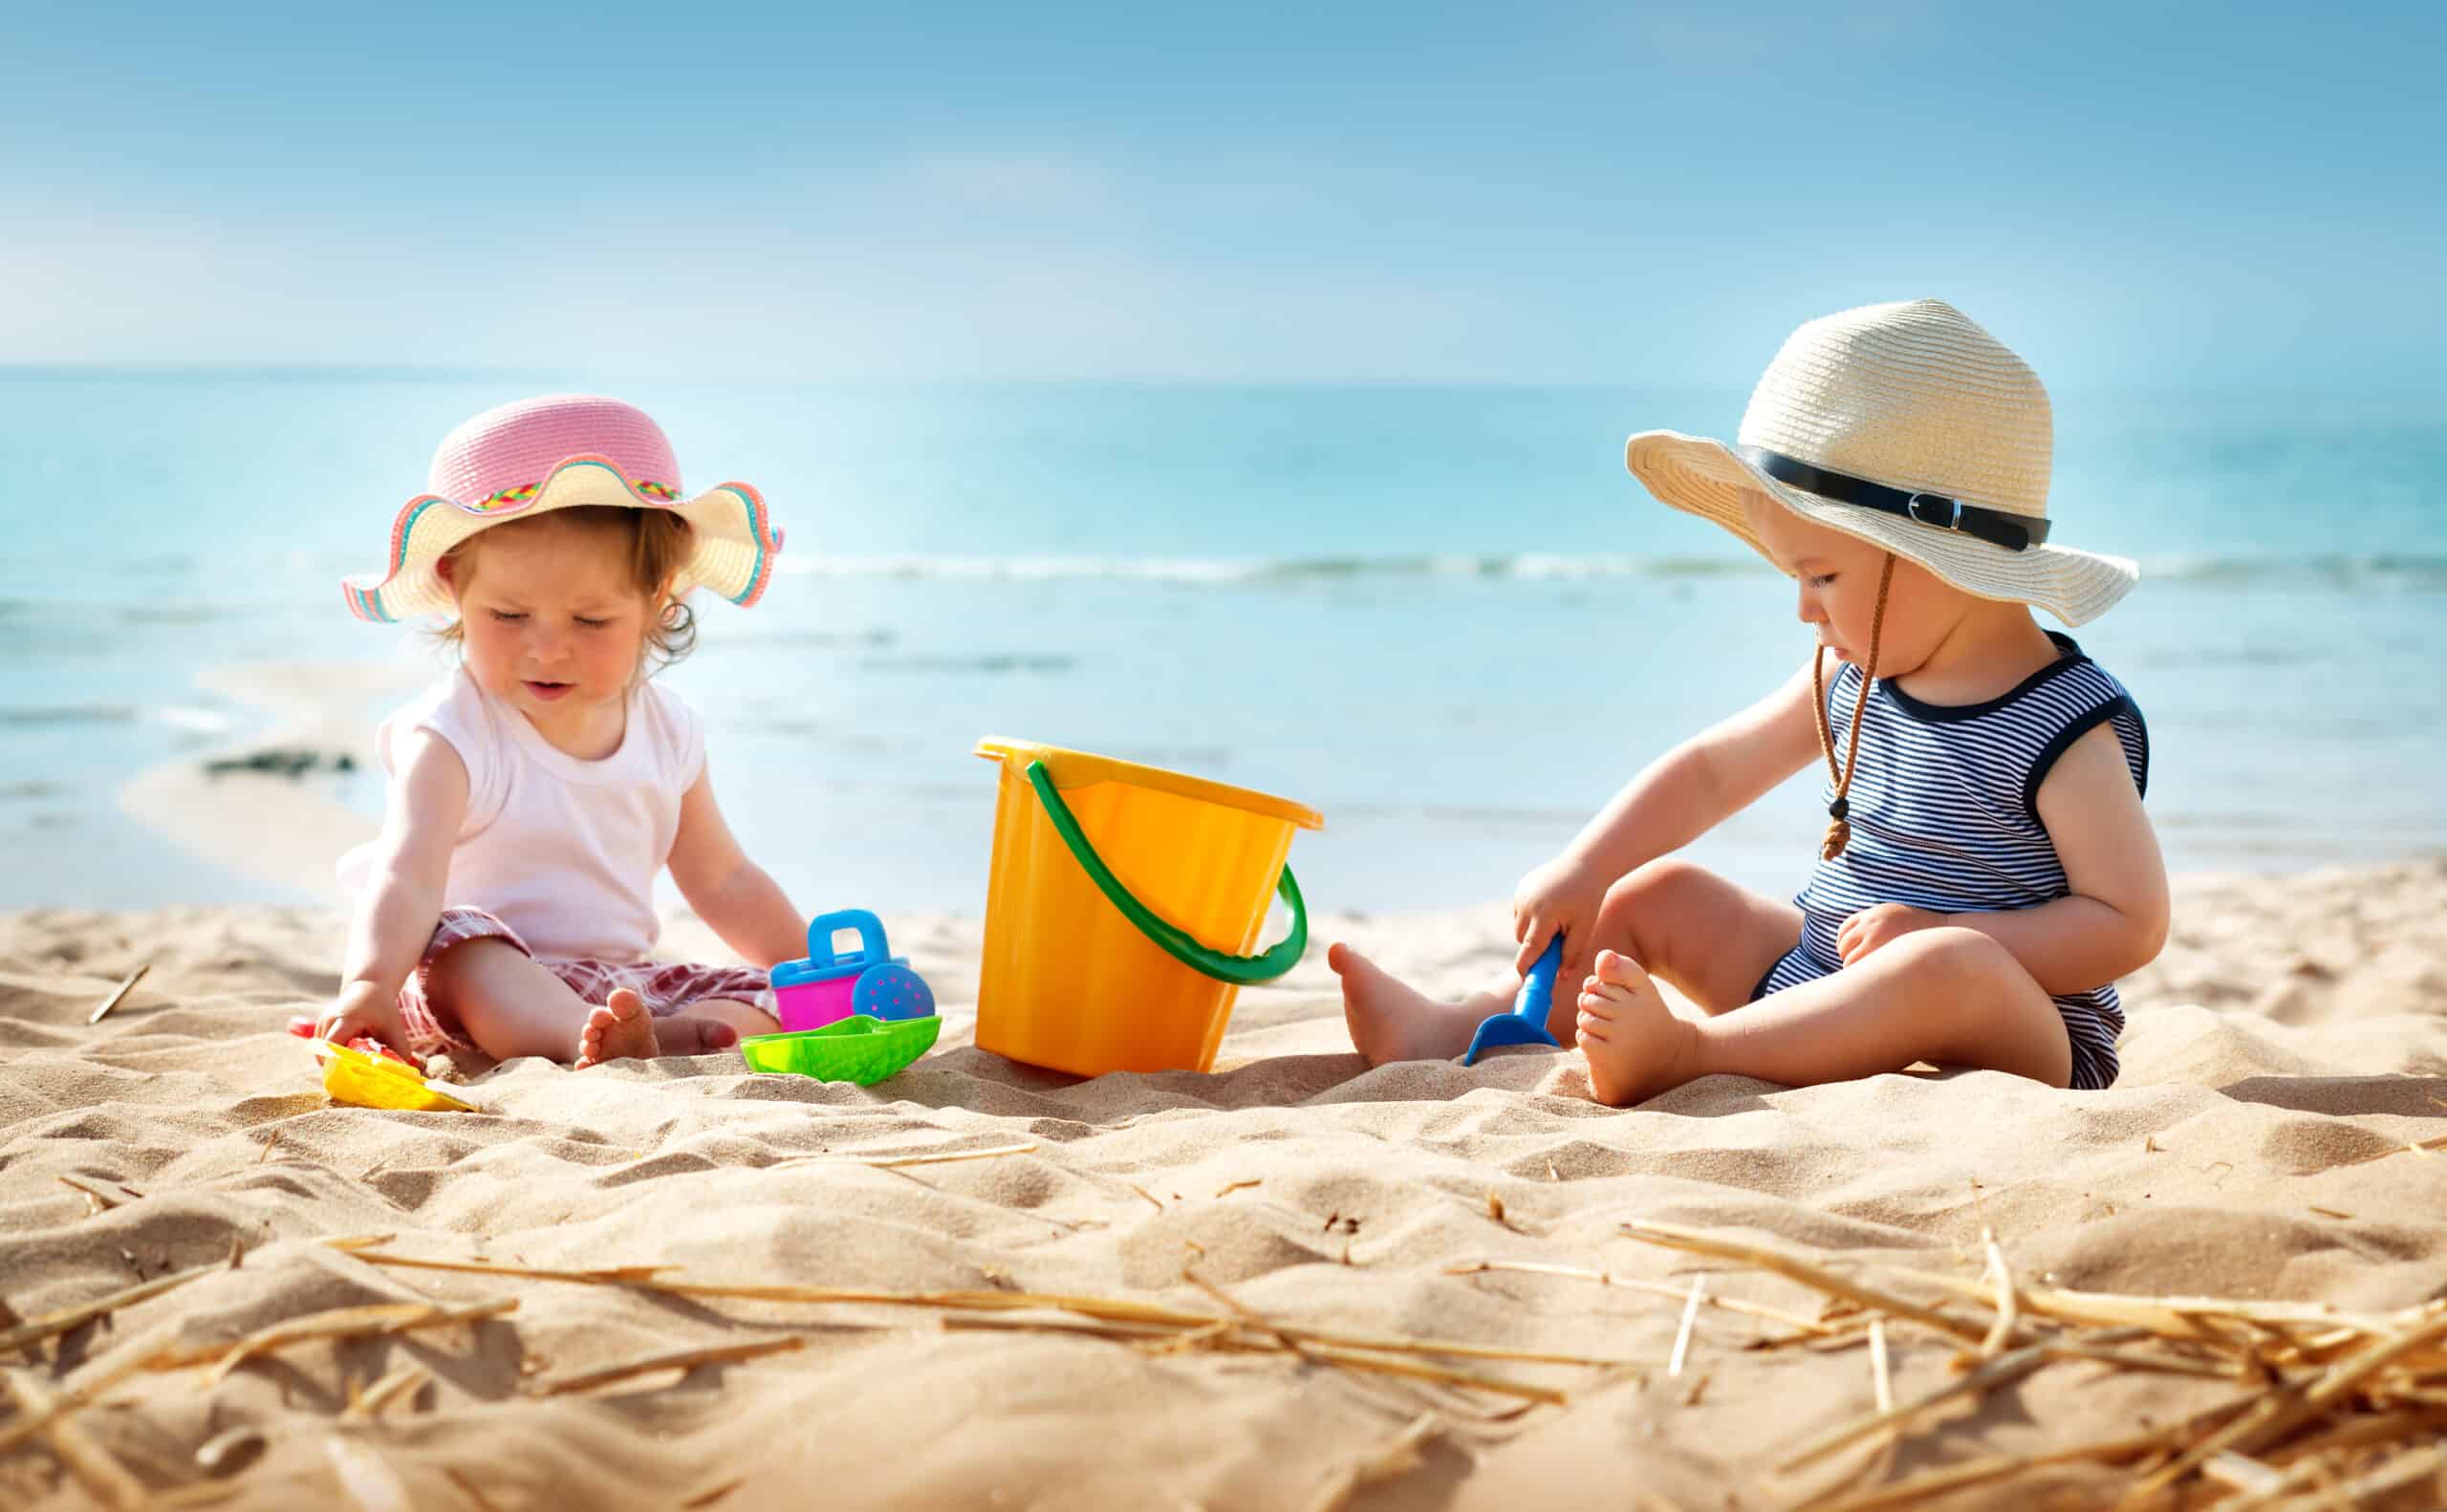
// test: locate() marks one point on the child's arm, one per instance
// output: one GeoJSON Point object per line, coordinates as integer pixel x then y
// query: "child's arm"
{"type": "Point", "coordinates": [729, 891]}
{"type": "Point", "coordinates": [2115, 922]}
{"type": "Point", "coordinates": [1676, 799]}
{"type": "Point", "coordinates": [403, 897]}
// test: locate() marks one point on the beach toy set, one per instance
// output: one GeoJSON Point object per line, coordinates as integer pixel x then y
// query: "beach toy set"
{"type": "Point", "coordinates": [857, 1015]}
{"type": "Point", "coordinates": [833, 983]}
{"type": "Point", "coordinates": [1124, 906]}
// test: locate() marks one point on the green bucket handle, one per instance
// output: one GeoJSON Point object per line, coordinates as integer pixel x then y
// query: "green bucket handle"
{"type": "Point", "coordinates": [1241, 970]}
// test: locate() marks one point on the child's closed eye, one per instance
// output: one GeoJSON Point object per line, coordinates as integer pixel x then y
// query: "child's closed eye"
{"type": "Point", "coordinates": [590, 624]}
{"type": "Point", "coordinates": [508, 617]}
{"type": "Point", "coordinates": [1821, 580]}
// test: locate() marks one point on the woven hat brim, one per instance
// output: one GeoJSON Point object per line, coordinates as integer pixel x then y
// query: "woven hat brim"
{"type": "Point", "coordinates": [1705, 477]}
{"type": "Point", "coordinates": [734, 539]}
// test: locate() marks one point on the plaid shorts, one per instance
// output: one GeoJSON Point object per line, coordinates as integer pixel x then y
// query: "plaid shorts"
{"type": "Point", "coordinates": [667, 987]}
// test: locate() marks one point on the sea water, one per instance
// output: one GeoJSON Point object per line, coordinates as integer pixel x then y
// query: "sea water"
{"type": "Point", "coordinates": [1444, 616]}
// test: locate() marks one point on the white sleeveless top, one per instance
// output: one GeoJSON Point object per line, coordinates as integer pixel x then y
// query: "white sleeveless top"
{"type": "Point", "coordinates": [563, 851]}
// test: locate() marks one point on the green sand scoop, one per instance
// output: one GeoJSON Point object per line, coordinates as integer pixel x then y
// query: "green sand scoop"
{"type": "Point", "coordinates": [854, 1049]}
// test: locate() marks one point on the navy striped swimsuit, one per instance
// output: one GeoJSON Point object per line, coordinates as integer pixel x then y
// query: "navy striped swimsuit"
{"type": "Point", "coordinates": [1945, 809]}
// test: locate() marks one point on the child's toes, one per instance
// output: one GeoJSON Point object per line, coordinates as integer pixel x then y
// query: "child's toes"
{"type": "Point", "coordinates": [1617, 970]}
{"type": "Point", "coordinates": [619, 1030]}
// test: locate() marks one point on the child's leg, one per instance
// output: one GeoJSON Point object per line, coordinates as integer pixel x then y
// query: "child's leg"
{"type": "Point", "coordinates": [624, 1029]}
{"type": "Point", "coordinates": [511, 1005]}
{"type": "Point", "coordinates": [1710, 938]}
{"type": "Point", "coordinates": [707, 1007]}
{"type": "Point", "coordinates": [1950, 996]}
{"type": "Point", "coordinates": [744, 1018]}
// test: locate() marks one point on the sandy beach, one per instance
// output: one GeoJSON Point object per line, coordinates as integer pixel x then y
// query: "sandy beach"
{"type": "Point", "coordinates": [1431, 423]}
{"type": "Point", "coordinates": [2283, 1054]}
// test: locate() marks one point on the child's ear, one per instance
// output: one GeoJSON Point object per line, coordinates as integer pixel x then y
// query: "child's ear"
{"type": "Point", "coordinates": [448, 570]}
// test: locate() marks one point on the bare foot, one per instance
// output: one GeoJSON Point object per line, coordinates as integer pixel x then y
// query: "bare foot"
{"type": "Point", "coordinates": [1636, 1048]}
{"type": "Point", "coordinates": [1390, 1021]}
{"type": "Point", "coordinates": [621, 1029]}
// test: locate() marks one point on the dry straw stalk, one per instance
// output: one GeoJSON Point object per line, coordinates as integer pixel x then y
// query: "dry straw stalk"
{"type": "Point", "coordinates": [2332, 1405]}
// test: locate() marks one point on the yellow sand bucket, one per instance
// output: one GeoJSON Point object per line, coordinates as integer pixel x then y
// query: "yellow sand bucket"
{"type": "Point", "coordinates": [1120, 906]}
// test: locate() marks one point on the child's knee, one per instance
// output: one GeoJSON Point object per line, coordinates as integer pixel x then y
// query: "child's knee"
{"type": "Point", "coordinates": [1965, 959]}
{"type": "Point", "coordinates": [464, 968]}
{"type": "Point", "coordinates": [1649, 898]}
{"type": "Point", "coordinates": [1643, 888]}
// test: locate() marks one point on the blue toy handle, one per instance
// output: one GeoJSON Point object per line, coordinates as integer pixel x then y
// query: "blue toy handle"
{"type": "Point", "coordinates": [872, 950]}
{"type": "Point", "coordinates": [1537, 992]}
{"type": "Point", "coordinates": [1527, 1023]}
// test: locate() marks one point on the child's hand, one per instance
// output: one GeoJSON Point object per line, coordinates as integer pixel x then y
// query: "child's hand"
{"type": "Point", "coordinates": [1881, 924]}
{"type": "Point", "coordinates": [362, 1010]}
{"type": "Point", "coordinates": [1560, 896]}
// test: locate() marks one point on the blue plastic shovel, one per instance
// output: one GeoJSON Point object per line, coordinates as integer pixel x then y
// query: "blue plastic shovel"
{"type": "Point", "coordinates": [1527, 1023]}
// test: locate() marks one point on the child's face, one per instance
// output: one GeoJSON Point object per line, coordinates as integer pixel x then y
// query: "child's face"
{"type": "Point", "coordinates": [553, 623]}
{"type": "Point", "coordinates": [1838, 578]}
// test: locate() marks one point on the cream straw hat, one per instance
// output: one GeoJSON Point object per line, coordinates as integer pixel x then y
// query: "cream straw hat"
{"type": "Point", "coordinates": [559, 452]}
{"type": "Point", "coordinates": [1908, 426]}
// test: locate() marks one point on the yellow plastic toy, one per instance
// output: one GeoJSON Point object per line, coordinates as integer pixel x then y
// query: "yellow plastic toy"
{"type": "Point", "coordinates": [354, 1077]}
{"type": "Point", "coordinates": [1122, 900]}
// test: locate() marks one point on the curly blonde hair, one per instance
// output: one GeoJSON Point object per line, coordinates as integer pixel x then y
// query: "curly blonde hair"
{"type": "Point", "coordinates": [656, 543]}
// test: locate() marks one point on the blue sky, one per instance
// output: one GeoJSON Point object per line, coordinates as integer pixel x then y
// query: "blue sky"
{"type": "Point", "coordinates": [2136, 196]}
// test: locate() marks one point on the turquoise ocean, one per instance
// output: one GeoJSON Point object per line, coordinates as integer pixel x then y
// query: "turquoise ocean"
{"type": "Point", "coordinates": [1444, 616]}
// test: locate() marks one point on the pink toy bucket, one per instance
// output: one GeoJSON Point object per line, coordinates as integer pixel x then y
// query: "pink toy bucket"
{"type": "Point", "coordinates": [813, 1005]}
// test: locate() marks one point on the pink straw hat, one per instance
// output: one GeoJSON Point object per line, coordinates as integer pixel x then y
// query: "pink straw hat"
{"type": "Point", "coordinates": [557, 453]}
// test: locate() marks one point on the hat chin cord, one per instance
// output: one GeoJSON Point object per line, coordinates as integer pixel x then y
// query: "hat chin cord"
{"type": "Point", "coordinates": [1839, 830]}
